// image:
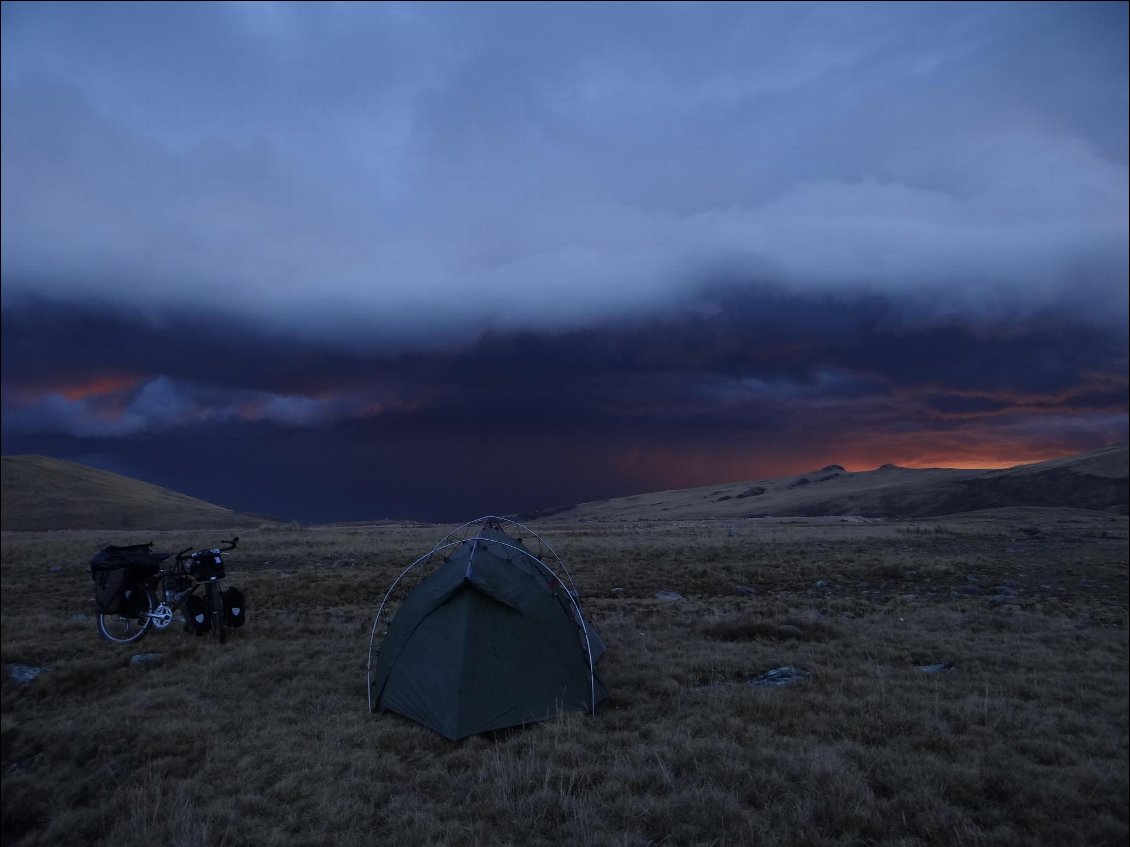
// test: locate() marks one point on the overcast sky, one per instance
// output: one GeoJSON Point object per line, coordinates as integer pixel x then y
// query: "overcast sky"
{"type": "Point", "coordinates": [348, 261]}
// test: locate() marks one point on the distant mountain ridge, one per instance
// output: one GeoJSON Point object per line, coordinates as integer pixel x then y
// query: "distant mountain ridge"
{"type": "Point", "coordinates": [1098, 480]}
{"type": "Point", "coordinates": [41, 493]}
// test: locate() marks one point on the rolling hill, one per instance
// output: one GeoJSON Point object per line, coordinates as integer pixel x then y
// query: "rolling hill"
{"type": "Point", "coordinates": [1096, 480]}
{"type": "Point", "coordinates": [43, 493]}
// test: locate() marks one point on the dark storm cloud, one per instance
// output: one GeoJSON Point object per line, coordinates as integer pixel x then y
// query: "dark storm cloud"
{"type": "Point", "coordinates": [742, 353]}
{"type": "Point", "coordinates": [345, 249]}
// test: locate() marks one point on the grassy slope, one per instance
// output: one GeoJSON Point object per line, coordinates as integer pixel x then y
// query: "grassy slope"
{"type": "Point", "coordinates": [1097, 480]}
{"type": "Point", "coordinates": [43, 493]}
{"type": "Point", "coordinates": [266, 739]}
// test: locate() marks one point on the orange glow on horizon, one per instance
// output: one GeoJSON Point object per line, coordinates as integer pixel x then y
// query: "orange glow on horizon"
{"type": "Point", "coordinates": [957, 452]}
{"type": "Point", "coordinates": [97, 387]}
{"type": "Point", "coordinates": [659, 468]}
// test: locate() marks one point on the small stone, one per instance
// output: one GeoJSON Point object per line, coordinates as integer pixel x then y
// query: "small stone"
{"type": "Point", "coordinates": [940, 666]}
{"type": "Point", "coordinates": [144, 658]}
{"type": "Point", "coordinates": [780, 676]}
{"type": "Point", "coordinates": [745, 590]}
{"type": "Point", "coordinates": [24, 673]}
{"type": "Point", "coordinates": [56, 569]}
{"type": "Point", "coordinates": [668, 596]}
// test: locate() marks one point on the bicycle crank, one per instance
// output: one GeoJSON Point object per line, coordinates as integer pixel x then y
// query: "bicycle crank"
{"type": "Point", "coordinates": [162, 616]}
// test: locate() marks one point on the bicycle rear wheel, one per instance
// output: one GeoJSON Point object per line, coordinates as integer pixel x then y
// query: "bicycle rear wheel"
{"type": "Point", "coordinates": [126, 628]}
{"type": "Point", "coordinates": [216, 605]}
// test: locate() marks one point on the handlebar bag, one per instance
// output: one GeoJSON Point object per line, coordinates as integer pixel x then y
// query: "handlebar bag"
{"type": "Point", "coordinates": [206, 565]}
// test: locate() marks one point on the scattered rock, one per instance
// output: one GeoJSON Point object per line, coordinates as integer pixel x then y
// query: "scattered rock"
{"type": "Point", "coordinates": [821, 584]}
{"type": "Point", "coordinates": [965, 591]}
{"type": "Point", "coordinates": [780, 676]}
{"type": "Point", "coordinates": [144, 658]}
{"type": "Point", "coordinates": [668, 596]}
{"type": "Point", "coordinates": [56, 569]}
{"type": "Point", "coordinates": [752, 492]}
{"type": "Point", "coordinates": [617, 590]}
{"type": "Point", "coordinates": [745, 589]}
{"type": "Point", "coordinates": [941, 666]}
{"type": "Point", "coordinates": [24, 673]}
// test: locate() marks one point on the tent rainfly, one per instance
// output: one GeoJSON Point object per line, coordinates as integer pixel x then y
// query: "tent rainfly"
{"type": "Point", "coordinates": [494, 637]}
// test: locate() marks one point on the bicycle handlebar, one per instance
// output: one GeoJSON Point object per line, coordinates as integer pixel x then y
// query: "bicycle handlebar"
{"type": "Point", "coordinates": [231, 545]}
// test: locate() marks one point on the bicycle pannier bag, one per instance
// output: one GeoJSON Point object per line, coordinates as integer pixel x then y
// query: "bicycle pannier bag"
{"type": "Point", "coordinates": [234, 608]}
{"type": "Point", "coordinates": [116, 572]}
{"type": "Point", "coordinates": [197, 618]}
{"type": "Point", "coordinates": [112, 590]}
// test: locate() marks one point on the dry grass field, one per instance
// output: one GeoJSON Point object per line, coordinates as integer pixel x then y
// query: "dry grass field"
{"type": "Point", "coordinates": [266, 740]}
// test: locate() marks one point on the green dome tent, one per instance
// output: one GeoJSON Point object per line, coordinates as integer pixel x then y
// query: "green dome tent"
{"type": "Point", "coordinates": [494, 637]}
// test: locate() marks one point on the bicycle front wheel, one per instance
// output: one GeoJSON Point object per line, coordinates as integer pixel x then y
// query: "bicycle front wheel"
{"type": "Point", "coordinates": [126, 628]}
{"type": "Point", "coordinates": [216, 605]}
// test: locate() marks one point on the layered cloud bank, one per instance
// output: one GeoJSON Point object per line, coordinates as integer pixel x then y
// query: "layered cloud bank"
{"type": "Point", "coordinates": [626, 245]}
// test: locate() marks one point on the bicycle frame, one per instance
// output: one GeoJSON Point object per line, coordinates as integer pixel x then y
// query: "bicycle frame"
{"type": "Point", "coordinates": [173, 587]}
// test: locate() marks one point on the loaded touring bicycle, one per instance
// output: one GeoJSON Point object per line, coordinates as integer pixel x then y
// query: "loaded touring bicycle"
{"type": "Point", "coordinates": [137, 590]}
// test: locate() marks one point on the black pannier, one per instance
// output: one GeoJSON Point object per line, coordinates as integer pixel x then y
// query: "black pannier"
{"type": "Point", "coordinates": [113, 590]}
{"type": "Point", "coordinates": [197, 617]}
{"type": "Point", "coordinates": [118, 573]}
{"type": "Point", "coordinates": [235, 607]}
